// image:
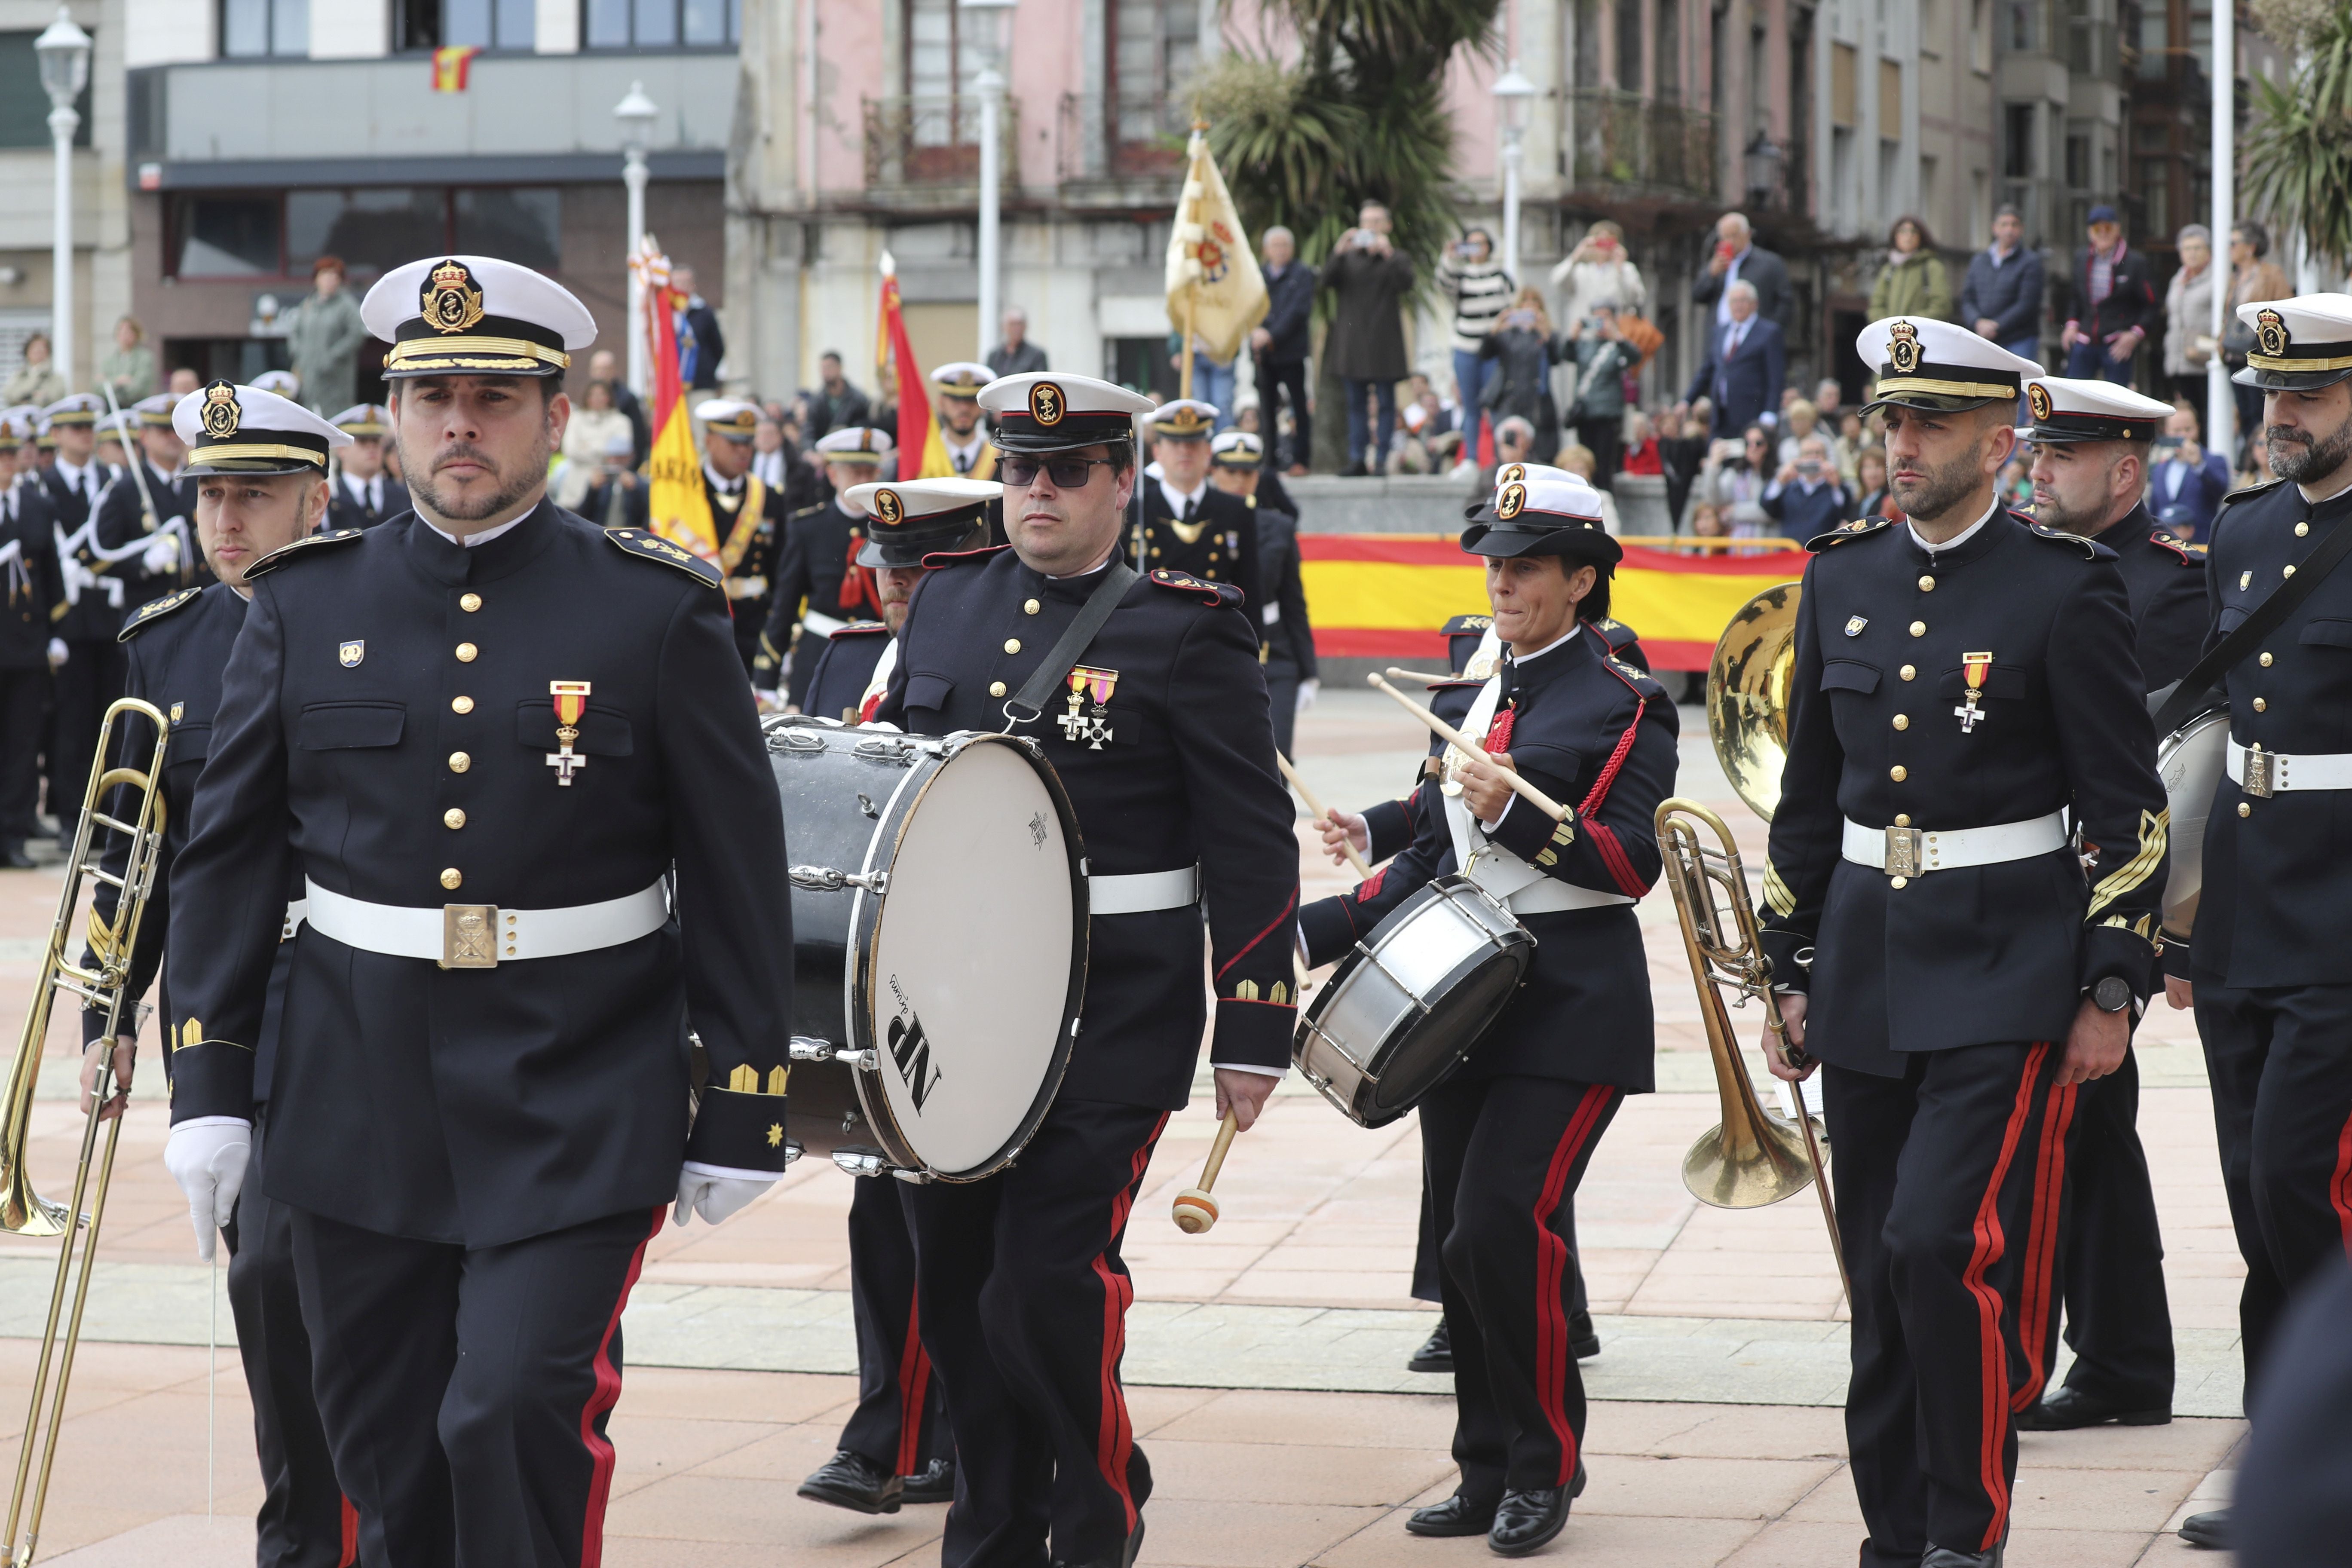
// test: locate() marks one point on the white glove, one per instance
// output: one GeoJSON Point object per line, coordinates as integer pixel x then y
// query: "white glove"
{"type": "Point", "coordinates": [163, 555]}
{"type": "Point", "coordinates": [56, 653]}
{"type": "Point", "coordinates": [1307, 690]}
{"type": "Point", "coordinates": [207, 1157]}
{"type": "Point", "coordinates": [715, 1195]}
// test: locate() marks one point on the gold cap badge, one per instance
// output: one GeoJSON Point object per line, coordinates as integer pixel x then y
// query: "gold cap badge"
{"type": "Point", "coordinates": [2270, 333]}
{"type": "Point", "coordinates": [1511, 473]}
{"type": "Point", "coordinates": [888, 507]}
{"type": "Point", "coordinates": [2037, 398]}
{"type": "Point", "coordinates": [1902, 347]}
{"type": "Point", "coordinates": [1512, 501]}
{"type": "Point", "coordinates": [221, 413]}
{"type": "Point", "coordinates": [1046, 404]}
{"type": "Point", "coordinates": [451, 303]}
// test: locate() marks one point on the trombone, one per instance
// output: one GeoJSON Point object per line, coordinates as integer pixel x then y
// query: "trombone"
{"type": "Point", "coordinates": [1753, 1156]}
{"type": "Point", "coordinates": [24, 1212]}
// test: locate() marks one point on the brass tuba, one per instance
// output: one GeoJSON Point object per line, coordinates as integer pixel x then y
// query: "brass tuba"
{"type": "Point", "coordinates": [1747, 695]}
{"type": "Point", "coordinates": [24, 1212]}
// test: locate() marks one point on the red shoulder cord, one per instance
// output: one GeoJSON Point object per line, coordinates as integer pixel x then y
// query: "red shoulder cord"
{"type": "Point", "coordinates": [1591, 802]}
{"type": "Point", "coordinates": [1498, 732]}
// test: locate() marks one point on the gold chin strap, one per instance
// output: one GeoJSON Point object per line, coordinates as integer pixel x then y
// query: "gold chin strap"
{"type": "Point", "coordinates": [2266, 362]}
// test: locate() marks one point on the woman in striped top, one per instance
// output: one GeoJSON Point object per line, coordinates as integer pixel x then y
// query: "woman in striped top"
{"type": "Point", "coordinates": [1480, 290]}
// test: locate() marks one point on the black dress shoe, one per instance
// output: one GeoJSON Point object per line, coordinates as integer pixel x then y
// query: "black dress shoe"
{"type": "Point", "coordinates": [855, 1482]}
{"type": "Point", "coordinates": [935, 1482]}
{"type": "Point", "coordinates": [2207, 1529]}
{"type": "Point", "coordinates": [12, 855]}
{"type": "Point", "coordinates": [2068, 1408]}
{"type": "Point", "coordinates": [1582, 1342]}
{"type": "Point", "coordinates": [1945, 1557]}
{"type": "Point", "coordinates": [1526, 1521]}
{"type": "Point", "coordinates": [1457, 1515]}
{"type": "Point", "coordinates": [1436, 1352]}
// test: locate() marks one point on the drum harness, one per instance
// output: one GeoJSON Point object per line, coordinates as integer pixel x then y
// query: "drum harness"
{"type": "Point", "coordinates": [1142, 891]}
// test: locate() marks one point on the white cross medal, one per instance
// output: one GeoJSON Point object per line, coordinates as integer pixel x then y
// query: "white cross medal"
{"type": "Point", "coordinates": [571, 701]}
{"type": "Point", "coordinates": [1973, 668]}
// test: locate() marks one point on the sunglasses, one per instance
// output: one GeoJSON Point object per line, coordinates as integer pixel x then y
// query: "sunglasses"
{"type": "Point", "coordinates": [1067, 473]}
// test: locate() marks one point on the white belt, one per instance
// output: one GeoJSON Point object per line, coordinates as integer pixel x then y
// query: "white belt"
{"type": "Point", "coordinates": [296, 912]}
{"type": "Point", "coordinates": [1913, 851]}
{"type": "Point", "coordinates": [1552, 895]}
{"type": "Point", "coordinates": [2263, 774]}
{"type": "Point", "coordinates": [822, 626]}
{"type": "Point", "coordinates": [1143, 891]}
{"type": "Point", "coordinates": [746, 587]}
{"type": "Point", "coordinates": [481, 936]}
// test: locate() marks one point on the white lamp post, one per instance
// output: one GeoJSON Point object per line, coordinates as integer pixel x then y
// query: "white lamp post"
{"type": "Point", "coordinates": [2220, 402]}
{"type": "Point", "coordinates": [1514, 94]}
{"type": "Point", "coordinates": [635, 115]}
{"type": "Point", "coordinates": [64, 53]}
{"type": "Point", "coordinates": [988, 17]}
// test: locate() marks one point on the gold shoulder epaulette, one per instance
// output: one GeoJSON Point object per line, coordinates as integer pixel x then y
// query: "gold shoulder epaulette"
{"type": "Point", "coordinates": [154, 610]}
{"type": "Point", "coordinates": [284, 553]}
{"type": "Point", "coordinates": [2088, 548]}
{"type": "Point", "coordinates": [1846, 533]}
{"type": "Point", "coordinates": [653, 547]}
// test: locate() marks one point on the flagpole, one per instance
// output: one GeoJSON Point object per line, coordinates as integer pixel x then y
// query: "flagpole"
{"type": "Point", "coordinates": [1191, 214]}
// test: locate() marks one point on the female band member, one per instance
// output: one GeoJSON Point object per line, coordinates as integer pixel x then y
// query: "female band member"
{"type": "Point", "coordinates": [1507, 1137]}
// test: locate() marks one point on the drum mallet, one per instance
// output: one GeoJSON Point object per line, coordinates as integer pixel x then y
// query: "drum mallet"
{"type": "Point", "coordinates": [1469, 748]}
{"type": "Point", "coordinates": [1194, 1210]}
{"type": "Point", "coordinates": [1315, 809]}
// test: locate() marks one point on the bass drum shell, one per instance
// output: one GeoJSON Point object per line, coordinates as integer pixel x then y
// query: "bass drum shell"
{"type": "Point", "coordinates": [2190, 761]}
{"type": "Point", "coordinates": [1407, 1005]}
{"type": "Point", "coordinates": [964, 975]}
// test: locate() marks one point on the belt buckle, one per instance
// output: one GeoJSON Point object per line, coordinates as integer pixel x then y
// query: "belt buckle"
{"type": "Point", "coordinates": [2257, 782]}
{"type": "Point", "coordinates": [1904, 850]}
{"type": "Point", "coordinates": [469, 936]}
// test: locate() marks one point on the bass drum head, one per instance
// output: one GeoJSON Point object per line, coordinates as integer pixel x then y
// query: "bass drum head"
{"type": "Point", "coordinates": [972, 966]}
{"type": "Point", "coordinates": [1425, 1054]}
{"type": "Point", "coordinates": [2190, 761]}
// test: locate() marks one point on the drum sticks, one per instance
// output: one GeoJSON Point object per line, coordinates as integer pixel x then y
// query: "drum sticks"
{"type": "Point", "coordinates": [1194, 1210]}
{"type": "Point", "coordinates": [1470, 748]}
{"type": "Point", "coordinates": [1315, 808]}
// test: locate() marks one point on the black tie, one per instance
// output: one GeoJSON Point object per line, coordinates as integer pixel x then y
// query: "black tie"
{"type": "Point", "coordinates": [963, 462]}
{"type": "Point", "coordinates": [1189, 506]}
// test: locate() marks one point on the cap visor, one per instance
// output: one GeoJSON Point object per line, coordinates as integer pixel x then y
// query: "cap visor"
{"type": "Point", "coordinates": [254, 466]}
{"type": "Point", "coordinates": [1584, 544]}
{"type": "Point", "coordinates": [1932, 401]}
{"type": "Point", "coordinates": [2288, 380]}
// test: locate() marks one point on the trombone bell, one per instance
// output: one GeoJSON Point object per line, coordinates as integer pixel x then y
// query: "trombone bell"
{"type": "Point", "coordinates": [1747, 695]}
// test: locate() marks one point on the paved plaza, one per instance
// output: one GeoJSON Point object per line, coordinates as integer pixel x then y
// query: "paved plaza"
{"type": "Point", "coordinates": [1266, 1357]}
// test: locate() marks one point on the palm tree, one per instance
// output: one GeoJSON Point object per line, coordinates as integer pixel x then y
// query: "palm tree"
{"type": "Point", "coordinates": [2298, 151]}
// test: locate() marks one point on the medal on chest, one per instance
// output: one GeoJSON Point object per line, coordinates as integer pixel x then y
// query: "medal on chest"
{"type": "Point", "coordinates": [1095, 728]}
{"type": "Point", "coordinates": [1973, 669]}
{"type": "Point", "coordinates": [571, 701]}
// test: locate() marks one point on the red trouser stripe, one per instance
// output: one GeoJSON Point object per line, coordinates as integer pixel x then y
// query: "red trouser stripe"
{"type": "Point", "coordinates": [2042, 1243]}
{"type": "Point", "coordinates": [600, 1400]}
{"type": "Point", "coordinates": [914, 1383]}
{"type": "Point", "coordinates": [2339, 1188]}
{"type": "Point", "coordinates": [351, 1554]}
{"type": "Point", "coordinates": [1553, 1363]}
{"type": "Point", "coordinates": [1992, 1356]}
{"type": "Point", "coordinates": [1116, 1440]}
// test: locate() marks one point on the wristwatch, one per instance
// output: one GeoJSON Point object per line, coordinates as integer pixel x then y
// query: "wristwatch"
{"type": "Point", "coordinates": [2112, 995]}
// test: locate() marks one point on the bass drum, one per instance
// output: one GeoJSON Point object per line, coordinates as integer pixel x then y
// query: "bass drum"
{"type": "Point", "coordinates": [2190, 763]}
{"type": "Point", "coordinates": [939, 944]}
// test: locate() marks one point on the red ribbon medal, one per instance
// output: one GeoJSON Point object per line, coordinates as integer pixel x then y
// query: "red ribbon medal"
{"type": "Point", "coordinates": [571, 701]}
{"type": "Point", "coordinates": [1974, 667]}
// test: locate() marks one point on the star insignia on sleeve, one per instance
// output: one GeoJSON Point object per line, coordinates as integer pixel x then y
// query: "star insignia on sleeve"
{"type": "Point", "coordinates": [775, 1134]}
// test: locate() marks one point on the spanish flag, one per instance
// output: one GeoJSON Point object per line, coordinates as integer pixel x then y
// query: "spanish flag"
{"type": "Point", "coordinates": [678, 507]}
{"type": "Point", "coordinates": [919, 433]}
{"type": "Point", "coordinates": [450, 66]}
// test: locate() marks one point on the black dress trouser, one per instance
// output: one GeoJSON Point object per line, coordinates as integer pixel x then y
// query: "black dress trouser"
{"type": "Point", "coordinates": [1024, 1303]}
{"type": "Point", "coordinates": [2107, 1267]}
{"type": "Point", "coordinates": [304, 1521]}
{"type": "Point", "coordinates": [465, 1391]}
{"type": "Point", "coordinates": [1935, 1176]}
{"type": "Point", "coordinates": [23, 703]}
{"type": "Point", "coordinates": [1426, 1265]}
{"type": "Point", "coordinates": [1504, 1156]}
{"type": "Point", "coordinates": [900, 1422]}
{"type": "Point", "coordinates": [91, 679]}
{"type": "Point", "coordinates": [2280, 1061]}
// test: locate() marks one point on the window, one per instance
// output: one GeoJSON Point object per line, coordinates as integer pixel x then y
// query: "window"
{"type": "Point", "coordinates": [2025, 27]}
{"type": "Point", "coordinates": [24, 103]}
{"type": "Point", "coordinates": [483, 24]}
{"type": "Point", "coordinates": [252, 28]}
{"type": "Point", "coordinates": [2078, 162]}
{"type": "Point", "coordinates": [1628, 47]}
{"type": "Point", "coordinates": [1154, 46]}
{"type": "Point", "coordinates": [1588, 44]}
{"type": "Point", "coordinates": [661, 24]}
{"type": "Point", "coordinates": [1980, 36]}
{"type": "Point", "coordinates": [939, 65]}
{"type": "Point", "coordinates": [1670, 51]}
{"type": "Point", "coordinates": [258, 234]}
{"type": "Point", "coordinates": [2016, 160]}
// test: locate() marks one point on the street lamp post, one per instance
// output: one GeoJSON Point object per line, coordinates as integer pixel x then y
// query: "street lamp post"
{"type": "Point", "coordinates": [635, 115]}
{"type": "Point", "coordinates": [2220, 402]}
{"type": "Point", "coordinates": [64, 53]}
{"type": "Point", "coordinates": [990, 84]}
{"type": "Point", "coordinates": [1514, 94]}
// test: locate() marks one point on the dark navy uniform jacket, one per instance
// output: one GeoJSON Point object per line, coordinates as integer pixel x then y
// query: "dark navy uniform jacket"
{"type": "Point", "coordinates": [811, 572]}
{"type": "Point", "coordinates": [1597, 735]}
{"type": "Point", "coordinates": [177, 650]}
{"type": "Point", "coordinates": [1223, 546]}
{"type": "Point", "coordinates": [750, 548]}
{"type": "Point", "coordinates": [1281, 615]}
{"type": "Point", "coordinates": [92, 617]}
{"type": "Point", "coordinates": [383, 729]}
{"type": "Point", "coordinates": [122, 516]}
{"type": "Point", "coordinates": [1967, 955]}
{"type": "Point", "coordinates": [2270, 911]}
{"type": "Point", "coordinates": [30, 591]}
{"type": "Point", "coordinates": [1187, 775]}
{"type": "Point", "coordinates": [347, 511]}
{"type": "Point", "coordinates": [2163, 584]}
{"type": "Point", "coordinates": [844, 670]}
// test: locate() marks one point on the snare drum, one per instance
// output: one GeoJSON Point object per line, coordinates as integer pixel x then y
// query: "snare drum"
{"type": "Point", "coordinates": [939, 944]}
{"type": "Point", "coordinates": [2191, 762]}
{"type": "Point", "coordinates": [1403, 1009]}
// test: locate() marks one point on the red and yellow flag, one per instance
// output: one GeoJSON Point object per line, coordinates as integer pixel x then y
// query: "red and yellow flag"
{"type": "Point", "coordinates": [451, 66]}
{"type": "Point", "coordinates": [677, 505]}
{"type": "Point", "coordinates": [922, 455]}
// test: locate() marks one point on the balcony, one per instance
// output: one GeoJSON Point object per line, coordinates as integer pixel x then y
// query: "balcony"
{"type": "Point", "coordinates": [1623, 145]}
{"type": "Point", "coordinates": [930, 146]}
{"type": "Point", "coordinates": [1123, 140]}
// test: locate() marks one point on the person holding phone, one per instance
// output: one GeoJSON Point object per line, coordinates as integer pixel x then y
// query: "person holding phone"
{"type": "Point", "coordinates": [1737, 258]}
{"type": "Point", "coordinates": [1369, 279]}
{"type": "Point", "coordinates": [2186, 482]}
